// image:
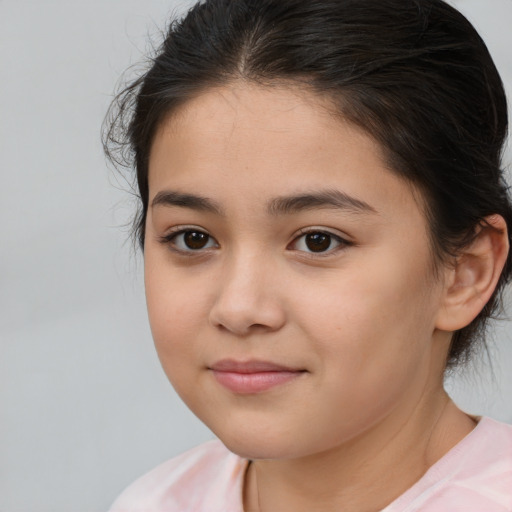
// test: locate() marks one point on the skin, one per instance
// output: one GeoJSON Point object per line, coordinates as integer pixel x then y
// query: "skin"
{"type": "Point", "coordinates": [366, 320]}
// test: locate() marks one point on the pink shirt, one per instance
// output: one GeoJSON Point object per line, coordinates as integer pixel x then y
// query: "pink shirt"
{"type": "Point", "coordinates": [474, 476]}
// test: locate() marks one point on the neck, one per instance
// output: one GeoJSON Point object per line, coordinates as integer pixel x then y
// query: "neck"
{"type": "Point", "coordinates": [356, 477]}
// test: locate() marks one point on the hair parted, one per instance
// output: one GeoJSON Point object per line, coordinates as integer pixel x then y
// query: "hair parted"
{"type": "Point", "coordinates": [414, 74]}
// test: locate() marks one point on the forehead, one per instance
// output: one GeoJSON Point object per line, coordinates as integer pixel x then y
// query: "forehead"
{"type": "Point", "coordinates": [258, 141]}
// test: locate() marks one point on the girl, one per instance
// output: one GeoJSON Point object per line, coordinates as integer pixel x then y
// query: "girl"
{"type": "Point", "coordinates": [325, 231]}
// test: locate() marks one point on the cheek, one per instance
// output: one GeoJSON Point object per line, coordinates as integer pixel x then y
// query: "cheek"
{"type": "Point", "coordinates": [174, 319]}
{"type": "Point", "coordinates": [175, 310]}
{"type": "Point", "coordinates": [371, 343]}
{"type": "Point", "coordinates": [377, 313]}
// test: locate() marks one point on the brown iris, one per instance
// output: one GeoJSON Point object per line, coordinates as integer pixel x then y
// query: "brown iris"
{"type": "Point", "coordinates": [318, 242]}
{"type": "Point", "coordinates": [195, 239]}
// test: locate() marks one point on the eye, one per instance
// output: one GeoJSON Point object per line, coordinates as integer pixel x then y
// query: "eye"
{"type": "Point", "coordinates": [318, 242]}
{"type": "Point", "coordinates": [190, 240]}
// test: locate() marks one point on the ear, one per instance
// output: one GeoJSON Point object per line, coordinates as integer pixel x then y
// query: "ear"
{"type": "Point", "coordinates": [470, 283]}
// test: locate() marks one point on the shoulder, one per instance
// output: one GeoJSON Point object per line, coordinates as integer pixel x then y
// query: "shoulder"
{"type": "Point", "coordinates": [173, 486]}
{"type": "Point", "coordinates": [484, 471]}
{"type": "Point", "coordinates": [475, 476]}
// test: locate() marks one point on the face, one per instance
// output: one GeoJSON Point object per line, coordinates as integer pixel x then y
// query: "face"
{"type": "Point", "coordinates": [288, 273]}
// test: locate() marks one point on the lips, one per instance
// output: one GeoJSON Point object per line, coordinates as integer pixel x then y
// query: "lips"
{"type": "Point", "coordinates": [249, 377]}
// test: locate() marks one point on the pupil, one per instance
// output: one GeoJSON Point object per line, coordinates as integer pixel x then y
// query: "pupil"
{"type": "Point", "coordinates": [318, 242]}
{"type": "Point", "coordinates": [195, 240]}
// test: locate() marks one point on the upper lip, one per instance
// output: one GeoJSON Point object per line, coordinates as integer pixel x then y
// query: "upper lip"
{"type": "Point", "coordinates": [252, 366]}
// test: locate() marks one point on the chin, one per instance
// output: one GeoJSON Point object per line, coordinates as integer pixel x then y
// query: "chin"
{"type": "Point", "coordinates": [261, 444]}
{"type": "Point", "coordinates": [253, 450]}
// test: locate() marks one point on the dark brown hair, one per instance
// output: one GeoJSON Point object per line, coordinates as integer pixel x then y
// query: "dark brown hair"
{"type": "Point", "coordinates": [413, 73]}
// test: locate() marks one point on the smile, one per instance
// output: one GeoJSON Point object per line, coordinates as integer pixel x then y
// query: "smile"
{"type": "Point", "coordinates": [253, 376]}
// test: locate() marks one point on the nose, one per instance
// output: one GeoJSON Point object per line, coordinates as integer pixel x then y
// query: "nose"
{"type": "Point", "coordinates": [248, 299]}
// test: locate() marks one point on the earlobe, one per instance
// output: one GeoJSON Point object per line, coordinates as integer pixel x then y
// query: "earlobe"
{"type": "Point", "coordinates": [472, 280]}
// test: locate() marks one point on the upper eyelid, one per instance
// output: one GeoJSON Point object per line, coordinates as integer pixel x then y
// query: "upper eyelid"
{"type": "Point", "coordinates": [302, 231]}
{"type": "Point", "coordinates": [180, 229]}
{"type": "Point", "coordinates": [169, 240]}
{"type": "Point", "coordinates": [174, 230]}
{"type": "Point", "coordinates": [343, 242]}
{"type": "Point", "coordinates": [342, 237]}
{"type": "Point", "coordinates": [319, 229]}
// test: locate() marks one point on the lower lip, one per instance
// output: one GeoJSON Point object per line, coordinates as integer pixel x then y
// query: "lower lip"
{"type": "Point", "coordinates": [247, 383]}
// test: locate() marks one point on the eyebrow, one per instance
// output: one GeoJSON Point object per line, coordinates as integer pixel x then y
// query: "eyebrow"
{"type": "Point", "coordinates": [192, 201]}
{"type": "Point", "coordinates": [283, 205]}
{"type": "Point", "coordinates": [328, 199]}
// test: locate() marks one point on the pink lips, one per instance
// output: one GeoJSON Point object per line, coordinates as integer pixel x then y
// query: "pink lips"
{"type": "Point", "coordinates": [252, 376]}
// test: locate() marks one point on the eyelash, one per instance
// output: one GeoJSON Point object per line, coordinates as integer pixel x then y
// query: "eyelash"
{"type": "Point", "coordinates": [170, 240]}
{"type": "Point", "coordinates": [341, 242]}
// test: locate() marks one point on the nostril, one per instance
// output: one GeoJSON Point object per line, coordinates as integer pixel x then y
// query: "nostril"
{"type": "Point", "coordinates": [244, 319]}
{"type": "Point", "coordinates": [247, 300]}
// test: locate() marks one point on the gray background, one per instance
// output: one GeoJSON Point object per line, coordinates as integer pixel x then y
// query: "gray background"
{"type": "Point", "coordinates": [84, 405]}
